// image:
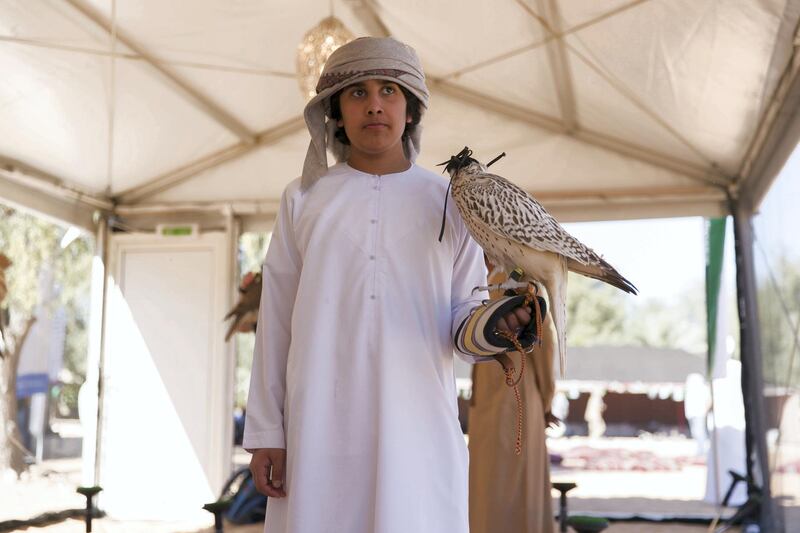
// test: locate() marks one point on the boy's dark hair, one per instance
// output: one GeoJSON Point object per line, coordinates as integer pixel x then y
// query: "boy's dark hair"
{"type": "Point", "coordinates": [413, 108]}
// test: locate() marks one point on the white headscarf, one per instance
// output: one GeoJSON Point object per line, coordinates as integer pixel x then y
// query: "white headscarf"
{"type": "Point", "coordinates": [362, 59]}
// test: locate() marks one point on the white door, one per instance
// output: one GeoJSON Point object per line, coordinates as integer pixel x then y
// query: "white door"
{"type": "Point", "coordinates": [167, 409]}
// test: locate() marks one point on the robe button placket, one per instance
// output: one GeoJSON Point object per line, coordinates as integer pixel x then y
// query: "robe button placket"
{"type": "Point", "coordinates": [376, 187]}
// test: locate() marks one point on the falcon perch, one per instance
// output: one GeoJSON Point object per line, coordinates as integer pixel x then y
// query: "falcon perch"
{"type": "Point", "coordinates": [515, 231]}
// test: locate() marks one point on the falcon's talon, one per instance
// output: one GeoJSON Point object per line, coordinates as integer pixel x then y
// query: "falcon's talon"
{"type": "Point", "coordinates": [510, 284]}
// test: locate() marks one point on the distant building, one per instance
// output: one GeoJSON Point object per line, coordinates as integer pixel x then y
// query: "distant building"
{"type": "Point", "coordinates": [640, 389]}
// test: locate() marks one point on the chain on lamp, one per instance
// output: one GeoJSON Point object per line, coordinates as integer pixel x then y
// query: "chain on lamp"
{"type": "Point", "coordinates": [315, 49]}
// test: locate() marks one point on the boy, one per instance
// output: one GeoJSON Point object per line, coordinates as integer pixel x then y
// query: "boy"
{"type": "Point", "coordinates": [352, 416]}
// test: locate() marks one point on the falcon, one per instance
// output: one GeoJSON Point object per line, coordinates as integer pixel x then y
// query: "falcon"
{"type": "Point", "coordinates": [518, 234]}
{"type": "Point", "coordinates": [245, 312]}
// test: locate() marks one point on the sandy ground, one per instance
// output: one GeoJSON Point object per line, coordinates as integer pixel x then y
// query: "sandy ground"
{"type": "Point", "coordinates": [73, 526]}
{"type": "Point", "coordinates": [616, 478]}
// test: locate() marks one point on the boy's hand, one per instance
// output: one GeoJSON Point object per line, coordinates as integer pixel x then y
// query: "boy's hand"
{"type": "Point", "coordinates": [514, 321]}
{"type": "Point", "coordinates": [268, 466]}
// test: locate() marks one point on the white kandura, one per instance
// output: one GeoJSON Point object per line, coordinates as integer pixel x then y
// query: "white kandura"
{"type": "Point", "coordinates": [353, 364]}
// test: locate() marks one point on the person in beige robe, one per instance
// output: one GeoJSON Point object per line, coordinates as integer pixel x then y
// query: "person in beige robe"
{"type": "Point", "coordinates": [510, 493]}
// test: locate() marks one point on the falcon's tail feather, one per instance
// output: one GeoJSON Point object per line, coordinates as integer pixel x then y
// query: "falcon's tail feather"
{"type": "Point", "coordinates": [603, 272]}
{"type": "Point", "coordinates": [557, 295]}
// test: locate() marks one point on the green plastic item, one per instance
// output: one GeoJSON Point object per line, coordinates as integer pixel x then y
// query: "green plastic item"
{"type": "Point", "coordinates": [88, 491]}
{"type": "Point", "coordinates": [587, 524]}
{"type": "Point", "coordinates": [218, 506]}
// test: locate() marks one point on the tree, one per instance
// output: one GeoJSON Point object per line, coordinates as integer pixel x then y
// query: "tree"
{"type": "Point", "coordinates": [602, 315]}
{"type": "Point", "coordinates": [12, 451]}
{"type": "Point", "coordinates": [597, 313]}
{"type": "Point", "coordinates": [27, 244]}
{"type": "Point", "coordinates": [10, 349]}
{"type": "Point", "coordinates": [778, 297]}
{"type": "Point", "coordinates": [32, 243]}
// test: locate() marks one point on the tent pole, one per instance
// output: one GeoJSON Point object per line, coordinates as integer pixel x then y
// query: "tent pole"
{"type": "Point", "coordinates": [103, 253]}
{"type": "Point", "coordinates": [752, 368]}
{"type": "Point", "coordinates": [233, 226]}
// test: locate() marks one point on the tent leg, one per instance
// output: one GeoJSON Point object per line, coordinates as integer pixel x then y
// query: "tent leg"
{"type": "Point", "coordinates": [103, 254]}
{"type": "Point", "coordinates": [752, 371]}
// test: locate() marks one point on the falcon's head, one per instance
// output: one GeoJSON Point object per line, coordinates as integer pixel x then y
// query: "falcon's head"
{"type": "Point", "coordinates": [459, 161]}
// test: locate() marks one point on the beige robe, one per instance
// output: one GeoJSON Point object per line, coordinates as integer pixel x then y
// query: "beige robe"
{"type": "Point", "coordinates": [510, 493]}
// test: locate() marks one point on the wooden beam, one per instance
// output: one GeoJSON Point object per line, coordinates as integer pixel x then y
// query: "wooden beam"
{"type": "Point", "coordinates": [536, 44]}
{"type": "Point", "coordinates": [631, 194]}
{"type": "Point", "coordinates": [559, 65]}
{"type": "Point", "coordinates": [192, 169]}
{"type": "Point", "coordinates": [775, 138]}
{"type": "Point", "coordinates": [55, 187]}
{"type": "Point", "coordinates": [585, 205]}
{"type": "Point", "coordinates": [57, 208]}
{"type": "Point", "coordinates": [593, 138]}
{"type": "Point", "coordinates": [202, 102]}
{"type": "Point", "coordinates": [10, 164]}
{"type": "Point", "coordinates": [367, 13]}
{"type": "Point", "coordinates": [266, 207]}
{"type": "Point", "coordinates": [128, 56]}
{"type": "Point", "coordinates": [596, 212]}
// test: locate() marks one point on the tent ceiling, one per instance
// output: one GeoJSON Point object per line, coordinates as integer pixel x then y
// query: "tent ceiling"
{"type": "Point", "coordinates": [606, 110]}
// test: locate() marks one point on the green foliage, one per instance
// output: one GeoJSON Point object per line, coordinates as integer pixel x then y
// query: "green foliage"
{"type": "Point", "coordinates": [33, 243]}
{"type": "Point", "coordinates": [29, 242]}
{"type": "Point", "coordinates": [778, 296]}
{"type": "Point", "coordinates": [252, 249]}
{"type": "Point", "coordinates": [73, 268]}
{"type": "Point", "coordinates": [599, 314]}
{"type": "Point", "coordinates": [245, 342]}
{"type": "Point", "coordinates": [596, 312]}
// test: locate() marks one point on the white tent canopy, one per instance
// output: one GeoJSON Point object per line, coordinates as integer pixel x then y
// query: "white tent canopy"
{"type": "Point", "coordinates": [149, 111]}
{"type": "Point", "coordinates": [606, 109]}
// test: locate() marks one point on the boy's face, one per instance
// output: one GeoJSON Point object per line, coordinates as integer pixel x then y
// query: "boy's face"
{"type": "Point", "coordinates": [374, 117]}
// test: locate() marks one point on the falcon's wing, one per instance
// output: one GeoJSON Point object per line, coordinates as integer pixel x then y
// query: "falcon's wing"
{"type": "Point", "coordinates": [516, 215]}
{"type": "Point", "coordinates": [508, 211]}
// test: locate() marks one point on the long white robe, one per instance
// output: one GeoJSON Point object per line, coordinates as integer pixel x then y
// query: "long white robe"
{"type": "Point", "coordinates": [353, 364]}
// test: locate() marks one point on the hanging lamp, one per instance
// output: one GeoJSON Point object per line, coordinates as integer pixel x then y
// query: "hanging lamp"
{"type": "Point", "coordinates": [314, 50]}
